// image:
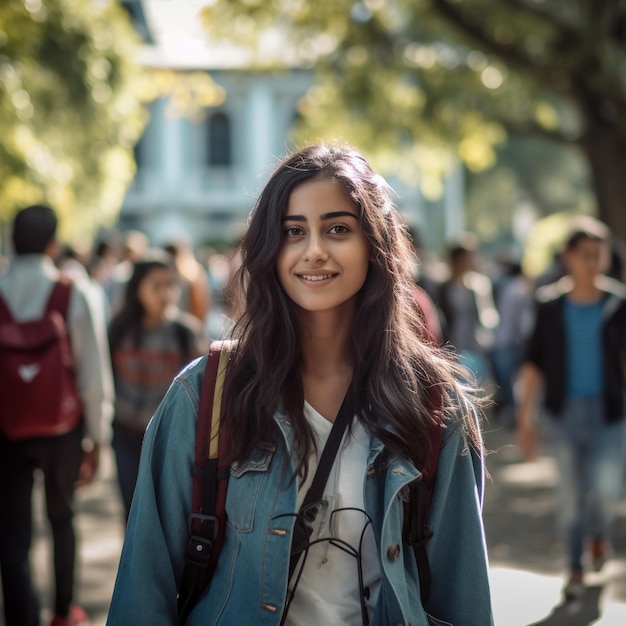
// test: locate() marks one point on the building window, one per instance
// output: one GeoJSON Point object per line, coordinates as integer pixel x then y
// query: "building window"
{"type": "Point", "coordinates": [220, 149]}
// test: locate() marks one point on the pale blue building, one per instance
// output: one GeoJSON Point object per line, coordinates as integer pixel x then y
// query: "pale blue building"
{"type": "Point", "coordinates": [201, 179]}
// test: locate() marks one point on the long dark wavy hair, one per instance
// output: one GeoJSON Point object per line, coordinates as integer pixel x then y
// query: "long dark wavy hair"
{"type": "Point", "coordinates": [400, 382]}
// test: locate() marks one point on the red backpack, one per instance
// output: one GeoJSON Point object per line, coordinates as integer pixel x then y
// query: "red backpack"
{"type": "Point", "coordinates": [37, 372]}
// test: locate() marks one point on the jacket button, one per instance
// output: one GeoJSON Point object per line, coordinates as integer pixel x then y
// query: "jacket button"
{"type": "Point", "coordinates": [393, 552]}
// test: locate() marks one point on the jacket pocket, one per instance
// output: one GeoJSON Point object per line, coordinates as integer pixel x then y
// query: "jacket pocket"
{"type": "Point", "coordinates": [245, 483]}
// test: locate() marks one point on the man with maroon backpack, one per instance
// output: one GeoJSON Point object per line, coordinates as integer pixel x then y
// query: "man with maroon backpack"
{"type": "Point", "coordinates": [57, 392]}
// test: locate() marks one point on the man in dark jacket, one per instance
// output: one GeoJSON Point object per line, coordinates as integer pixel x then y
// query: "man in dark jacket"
{"type": "Point", "coordinates": [577, 352]}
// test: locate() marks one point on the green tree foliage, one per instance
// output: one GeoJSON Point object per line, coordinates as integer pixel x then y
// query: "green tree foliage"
{"type": "Point", "coordinates": [531, 178]}
{"type": "Point", "coordinates": [70, 111]}
{"type": "Point", "coordinates": [411, 79]}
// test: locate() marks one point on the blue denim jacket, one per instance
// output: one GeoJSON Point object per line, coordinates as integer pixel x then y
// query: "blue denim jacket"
{"type": "Point", "coordinates": [250, 581]}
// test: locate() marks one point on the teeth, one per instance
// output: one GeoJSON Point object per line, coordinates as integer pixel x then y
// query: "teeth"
{"type": "Point", "coordinates": [316, 278]}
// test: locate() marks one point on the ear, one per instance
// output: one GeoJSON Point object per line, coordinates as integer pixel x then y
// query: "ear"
{"type": "Point", "coordinates": [53, 248]}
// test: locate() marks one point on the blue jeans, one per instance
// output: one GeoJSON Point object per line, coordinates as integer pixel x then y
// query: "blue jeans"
{"type": "Point", "coordinates": [505, 364]}
{"type": "Point", "coordinates": [127, 447]}
{"type": "Point", "coordinates": [591, 458]}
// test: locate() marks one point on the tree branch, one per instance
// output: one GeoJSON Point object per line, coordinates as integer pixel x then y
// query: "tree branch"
{"type": "Point", "coordinates": [530, 129]}
{"type": "Point", "coordinates": [568, 39]}
{"type": "Point", "coordinates": [451, 14]}
{"type": "Point", "coordinates": [543, 14]}
{"type": "Point", "coordinates": [608, 12]}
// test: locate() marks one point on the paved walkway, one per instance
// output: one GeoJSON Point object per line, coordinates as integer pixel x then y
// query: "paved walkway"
{"type": "Point", "coordinates": [527, 565]}
{"type": "Point", "coordinates": [519, 518]}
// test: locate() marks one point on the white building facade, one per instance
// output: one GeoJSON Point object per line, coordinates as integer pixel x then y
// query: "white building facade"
{"type": "Point", "coordinates": [200, 180]}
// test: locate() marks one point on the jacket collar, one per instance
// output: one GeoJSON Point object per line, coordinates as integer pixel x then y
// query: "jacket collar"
{"type": "Point", "coordinates": [377, 456]}
{"type": "Point", "coordinates": [560, 288]}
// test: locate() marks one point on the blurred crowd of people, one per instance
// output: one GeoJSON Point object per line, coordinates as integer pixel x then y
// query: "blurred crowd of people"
{"type": "Point", "coordinates": [130, 317]}
{"type": "Point", "coordinates": [161, 308]}
{"type": "Point", "coordinates": [553, 349]}
{"type": "Point", "coordinates": [486, 306]}
{"type": "Point", "coordinates": [482, 309]}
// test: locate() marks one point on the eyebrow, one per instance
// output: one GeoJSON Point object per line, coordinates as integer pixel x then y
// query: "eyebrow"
{"type": "Point", "coordinates": [323, 216]}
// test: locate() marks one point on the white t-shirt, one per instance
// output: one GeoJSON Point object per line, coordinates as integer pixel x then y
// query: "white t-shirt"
{"type": "Point", "coordinates": [328, 590]}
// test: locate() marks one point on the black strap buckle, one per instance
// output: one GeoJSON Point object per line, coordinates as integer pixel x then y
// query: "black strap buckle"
{"type": "Point", "coordinates": [203, 530]}
{"type": "Point", "coordinates": [207, 526]}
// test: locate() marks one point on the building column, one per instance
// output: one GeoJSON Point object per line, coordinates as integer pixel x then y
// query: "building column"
{"type": "Point", "coordinates": [172, 157]}
{"type": "Point", "coordinates": [261, 128]}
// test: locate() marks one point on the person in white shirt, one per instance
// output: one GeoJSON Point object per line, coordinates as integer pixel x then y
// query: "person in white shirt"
{"type": "Point", "coordinates": [65, 459]}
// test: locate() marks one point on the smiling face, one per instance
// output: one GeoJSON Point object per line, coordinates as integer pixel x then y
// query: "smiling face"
{"type": "Point", "coordinates": [324, 258]}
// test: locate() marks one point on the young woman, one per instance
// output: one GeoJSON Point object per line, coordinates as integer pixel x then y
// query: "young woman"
{"type": "Point", "coordinates": [150, 341]}
{"type": "Point", "coordinates": [329, 313]}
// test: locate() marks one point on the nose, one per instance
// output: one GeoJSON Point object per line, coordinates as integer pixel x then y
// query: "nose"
{"type": "Point", "coordinates": [315, 250]}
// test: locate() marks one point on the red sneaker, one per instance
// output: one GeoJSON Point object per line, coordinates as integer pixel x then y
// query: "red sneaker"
{"type": "Point", "coordinates": [76, 617]}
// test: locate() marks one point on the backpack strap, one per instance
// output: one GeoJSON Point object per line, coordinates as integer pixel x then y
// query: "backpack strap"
{"type": "Point", "coordinates": [59, 299]}
{"type": "Point", "coordinates": [416, 511]}
{"type": "Point", "coordinates": [5, 314]}
{"type": "Point", "coordinates": [210, 480]}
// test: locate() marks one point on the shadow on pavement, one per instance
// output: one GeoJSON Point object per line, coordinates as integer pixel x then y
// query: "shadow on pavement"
{"type": "Point", "coordinates": [581, 612]}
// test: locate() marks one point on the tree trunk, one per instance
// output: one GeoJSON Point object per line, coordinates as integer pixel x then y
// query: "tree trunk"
{"type": "Point", "coordinates": [605, 149]}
